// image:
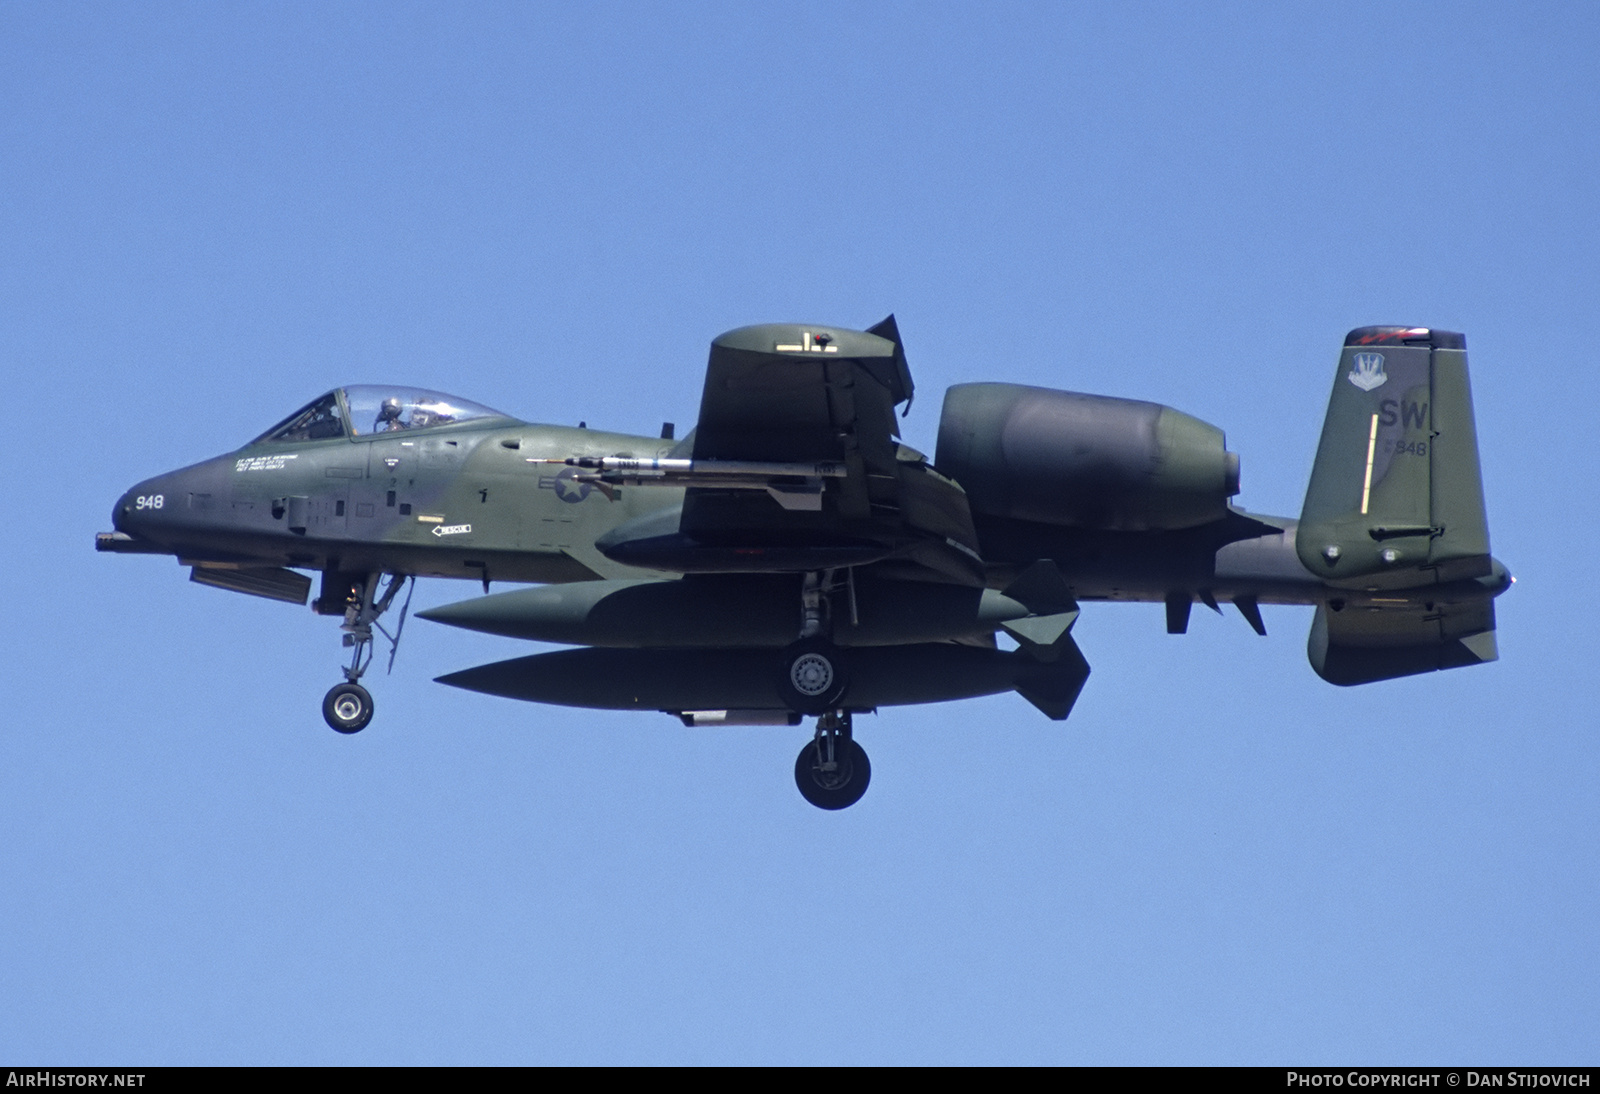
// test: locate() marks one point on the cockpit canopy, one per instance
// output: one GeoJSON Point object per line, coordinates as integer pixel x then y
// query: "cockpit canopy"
{"type": "Point", "coordinates": [362, 410]}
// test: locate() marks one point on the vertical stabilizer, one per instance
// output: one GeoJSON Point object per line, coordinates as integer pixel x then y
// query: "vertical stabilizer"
{"type": "Point", "coordinates": [1395, 506]}
{"type": "Point", "coordinates": [1396, 494]}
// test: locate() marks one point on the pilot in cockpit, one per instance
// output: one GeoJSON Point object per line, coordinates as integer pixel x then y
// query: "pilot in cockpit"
{"type": "Point", "coordinates": [389, 417]}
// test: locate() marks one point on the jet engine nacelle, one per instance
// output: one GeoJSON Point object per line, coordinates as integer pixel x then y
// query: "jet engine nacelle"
{"type": "Point", "coordinates": [1085, 461]}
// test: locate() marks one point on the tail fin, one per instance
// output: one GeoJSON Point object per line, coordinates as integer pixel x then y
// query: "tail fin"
{"type": "Point", "coordinates": [1396, 502]}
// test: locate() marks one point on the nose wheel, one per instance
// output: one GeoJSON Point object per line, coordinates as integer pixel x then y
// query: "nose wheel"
{"type": "Point", "coordinates": [347, 708]}
{"type": "Point", "coordinates": [832, 771]}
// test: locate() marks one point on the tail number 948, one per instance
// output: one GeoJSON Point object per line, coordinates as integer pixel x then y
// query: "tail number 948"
{"type": "Point", "coordinates": [149, 501]}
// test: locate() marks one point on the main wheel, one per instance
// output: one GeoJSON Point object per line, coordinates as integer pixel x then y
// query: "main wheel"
{"type": "Point", "coordinates": [347, 708]}
{"type": "Point", "coordinates": [812, 676]}
{"type": "Point", "coordinates": [839, 788]}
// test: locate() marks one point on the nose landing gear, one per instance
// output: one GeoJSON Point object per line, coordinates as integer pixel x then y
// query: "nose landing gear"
{"type": "Point", "coordinates": [832, 771]}
{"type": "Point", "coordinates": [348, 706]}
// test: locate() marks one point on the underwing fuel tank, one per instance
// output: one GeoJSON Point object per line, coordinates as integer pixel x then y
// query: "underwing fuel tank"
{"type": "Point", "coordinates": [679, 681]}
{"type": "Point", "coordinates": [744, 610]}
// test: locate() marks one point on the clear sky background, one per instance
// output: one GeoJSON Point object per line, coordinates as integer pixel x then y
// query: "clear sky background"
{"type": "Point", "coordinates": [210, 214]}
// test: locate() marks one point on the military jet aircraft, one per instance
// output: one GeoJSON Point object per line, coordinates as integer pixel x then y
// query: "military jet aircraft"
{"type": "Point", "coordinates": [789, 557]}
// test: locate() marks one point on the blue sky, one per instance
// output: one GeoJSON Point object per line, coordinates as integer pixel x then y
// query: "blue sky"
{"type": "Point", "coordinates": [211, 213]}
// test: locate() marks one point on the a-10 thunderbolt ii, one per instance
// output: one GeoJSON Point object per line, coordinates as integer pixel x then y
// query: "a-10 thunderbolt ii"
{"type": "Point", "coordinates": [789, 557]}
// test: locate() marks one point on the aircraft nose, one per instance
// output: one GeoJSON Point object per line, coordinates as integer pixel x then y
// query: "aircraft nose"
{"type": "Point", "coordinates": [167, 502]}
{"type": "Point", "coordinates": [119, 512]}
{"type": "Point", "coordinates": [134, 510]}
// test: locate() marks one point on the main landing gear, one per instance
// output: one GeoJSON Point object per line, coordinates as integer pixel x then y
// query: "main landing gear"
{"type": "Point", "coordinates": [811, 675]}
{"type": "Point", "coordinates": [832, 771]}
{"type": "Point", "coordinates": [348, 706]}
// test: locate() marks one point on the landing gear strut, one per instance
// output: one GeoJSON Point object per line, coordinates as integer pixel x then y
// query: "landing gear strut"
{"type": "Point", "coordinates": [348, 706]}
{"type": "Point", "coordinates": [832, 771]}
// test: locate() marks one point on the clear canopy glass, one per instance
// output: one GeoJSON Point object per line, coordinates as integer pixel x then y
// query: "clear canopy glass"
{"type": "Point", "coordinates": [375, 408]}
{"type": "Point", "coordinates": [315, 421]}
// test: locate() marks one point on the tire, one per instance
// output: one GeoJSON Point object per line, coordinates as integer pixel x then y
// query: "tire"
{"type": "Point", "coordinates": [812, 676]}
{"type": "Point", "coordinates": [836, 789]}
{"type": "Point", "coordinates": [347, 708]}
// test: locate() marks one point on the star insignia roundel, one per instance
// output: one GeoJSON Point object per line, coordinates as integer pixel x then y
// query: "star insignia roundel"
{"type": "Point", "coordinates": [569, 489]}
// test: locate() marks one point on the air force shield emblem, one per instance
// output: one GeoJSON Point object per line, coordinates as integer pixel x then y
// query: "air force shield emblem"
{"type": "Point", "coordinates": [1368, 372]}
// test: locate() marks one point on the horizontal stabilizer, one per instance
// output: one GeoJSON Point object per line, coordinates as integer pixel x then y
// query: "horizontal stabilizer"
{"type": "Point", "coordinates": [1361, 647]}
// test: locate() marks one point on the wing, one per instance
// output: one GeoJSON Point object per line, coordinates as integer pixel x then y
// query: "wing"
{"type": "Point", "coordinates": [787, 392]}
{"type": "Point", "coordinates": [797, 465]}
{"type": "Point", "coordinates": [799, 395]}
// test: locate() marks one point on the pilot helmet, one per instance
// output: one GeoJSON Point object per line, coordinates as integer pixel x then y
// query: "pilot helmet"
{"type": "Point", "coordinates": [390, 411]}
